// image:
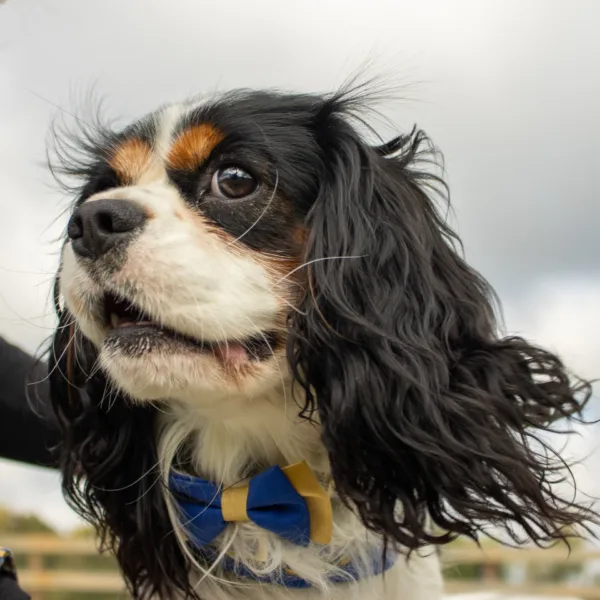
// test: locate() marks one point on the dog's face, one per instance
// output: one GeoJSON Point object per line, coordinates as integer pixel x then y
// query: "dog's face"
{"type": "Point", "coordinates": [218, 250]}
{"type": "Point", "coordinates": [183, 252]}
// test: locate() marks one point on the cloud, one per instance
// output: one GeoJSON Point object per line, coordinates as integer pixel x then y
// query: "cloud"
{"type": "Point", "coordinates": [562, 314]}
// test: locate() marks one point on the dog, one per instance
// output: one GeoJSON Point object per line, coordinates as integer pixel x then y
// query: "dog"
{"type": "Point", "coordinates": [274, 372]}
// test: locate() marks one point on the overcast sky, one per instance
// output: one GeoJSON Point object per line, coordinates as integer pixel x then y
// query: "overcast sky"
{"type": "Point", "coordinates": [508, 90]}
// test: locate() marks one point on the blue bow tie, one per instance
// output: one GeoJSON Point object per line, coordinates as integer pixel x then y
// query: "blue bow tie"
{"type": "Point", "coordinates": [289, 502]}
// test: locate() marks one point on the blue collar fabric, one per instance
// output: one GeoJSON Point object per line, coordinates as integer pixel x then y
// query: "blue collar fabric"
{"type": "Point", "coordinates": [287, 578]}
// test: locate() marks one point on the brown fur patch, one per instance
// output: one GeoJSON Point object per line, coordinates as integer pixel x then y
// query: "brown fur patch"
{"type": "Point", "coordinates": [130, 160]}
{"type": "Point", "coordinates": [288, 267]}
{"type": "Point", "coordinates": [300, 237]}
{"type": "Point", "coordinates": [193, 146]}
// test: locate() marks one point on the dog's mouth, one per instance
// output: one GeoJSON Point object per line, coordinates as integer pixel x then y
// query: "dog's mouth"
{"type": "Point", "coordinates": [130, 328]}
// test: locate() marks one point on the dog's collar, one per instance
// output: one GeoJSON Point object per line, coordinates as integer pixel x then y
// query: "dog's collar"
{"type": "Point", "coordinates": [289, 502]}
{"type": "Point", "coordinates": [346, 572]}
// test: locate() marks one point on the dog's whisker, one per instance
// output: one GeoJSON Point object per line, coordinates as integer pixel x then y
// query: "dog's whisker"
{"type": "Point", "coordinates": [112, 399]}
{"type": "Point", "coordinates": [56, 366]}
{"type": "Point", "coordinates": [105, 393]}
{"type": "Point", "coordinates": [50, 275]}
{"type": "Point", "coordinates": [313, 261]}
{"type": "Point", "coordinates": [278, 366]}
{"type": "Point", "coordinates": [157, 408]}
{"type": "Point", "coordinates": [261, 215]}
{"type": "Point", "coordinates": [293, 307]}
{"type": "Point", "coordinates": [21, 319]}
{"type": "Point", "coordinates": [157, 479]}
{"type": "Point", "coordinates": [133, 483]}
{"type": "Point", "coordinates": [57, 106]}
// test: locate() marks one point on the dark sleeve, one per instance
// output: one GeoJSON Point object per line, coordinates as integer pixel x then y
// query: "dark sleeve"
{"type": "Point", "coordinates": [28, 429]}
{"type": "Point", "coordinates": [10, 590]}
{"type": "Point", "coordinates": [9, 587]}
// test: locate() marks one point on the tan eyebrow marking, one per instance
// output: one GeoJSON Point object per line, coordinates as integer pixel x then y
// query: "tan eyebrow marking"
{"type": "Point", "coordinates": [130, 160]}
{"type": "Point", "coordinates": [193, 146]}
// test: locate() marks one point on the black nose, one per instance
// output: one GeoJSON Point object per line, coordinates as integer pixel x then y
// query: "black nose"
{"type": "Point", "coordinates": [98, 226]}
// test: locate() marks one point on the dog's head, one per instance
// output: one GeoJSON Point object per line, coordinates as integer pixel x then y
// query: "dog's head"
{"type": "Point", "coordinates": [218, 251]}
{"type": "Point", "coordinates": [184, 251]}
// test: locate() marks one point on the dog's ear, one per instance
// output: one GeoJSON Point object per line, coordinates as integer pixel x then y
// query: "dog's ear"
{"type": "Point", "coordinates": [425, 409]}
{"type": "Point", "coordinates": [110, 469]}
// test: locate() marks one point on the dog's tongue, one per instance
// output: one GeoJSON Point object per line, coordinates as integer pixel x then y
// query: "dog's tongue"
{"type": "Point", "coordinates": [231, 353]}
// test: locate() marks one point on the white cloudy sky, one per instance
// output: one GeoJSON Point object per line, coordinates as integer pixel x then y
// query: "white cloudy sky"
{"type": "Point", "coordinates": [509, 90]}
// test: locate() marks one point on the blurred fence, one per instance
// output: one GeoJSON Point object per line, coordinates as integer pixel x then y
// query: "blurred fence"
{"type": "Point", "coordinates": [548, 573]}
{"type": "Point", "coordinates": [492, 569]}
{"type": "Point", "coordinates": [43, 576]}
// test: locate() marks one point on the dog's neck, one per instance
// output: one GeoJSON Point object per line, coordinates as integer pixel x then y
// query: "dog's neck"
{"type": "Point", "coordinates": [227, 445]}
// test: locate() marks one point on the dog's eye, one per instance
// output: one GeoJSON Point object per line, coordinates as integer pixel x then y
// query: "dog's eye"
{"type": "Point", "coordinates": [232, 182]}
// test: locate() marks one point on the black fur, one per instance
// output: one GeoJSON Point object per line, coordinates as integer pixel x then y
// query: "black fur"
{"type": "Point", "coordinates": [423, 405]}
{"type": "Point", "coordinates": [420, 399]}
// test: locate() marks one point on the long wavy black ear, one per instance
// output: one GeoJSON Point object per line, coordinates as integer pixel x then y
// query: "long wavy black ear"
{"type": "Point", "coordinates": [425, 409]}
{"type": "Point", "coordinates": [109, 467]}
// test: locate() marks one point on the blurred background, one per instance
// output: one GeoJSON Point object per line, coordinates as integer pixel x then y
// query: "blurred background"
{"type": "Point", "coordinates": [508, 90]}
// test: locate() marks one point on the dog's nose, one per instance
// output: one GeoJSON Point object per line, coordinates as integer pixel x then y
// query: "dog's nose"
{"type": "Point", "coordinates": [98, 226]}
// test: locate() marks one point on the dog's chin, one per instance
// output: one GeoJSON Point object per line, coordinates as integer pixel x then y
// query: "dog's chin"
{"type": "Point", "coordinates": [150, 362]}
